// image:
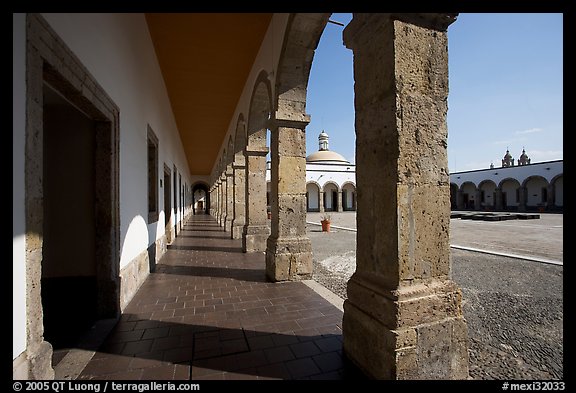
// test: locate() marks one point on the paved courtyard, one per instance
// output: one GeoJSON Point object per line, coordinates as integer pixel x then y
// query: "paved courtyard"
{"type": "Point", "coordinates": [209, 313]}
{"type": "Point", "coordinates": [513, 305]}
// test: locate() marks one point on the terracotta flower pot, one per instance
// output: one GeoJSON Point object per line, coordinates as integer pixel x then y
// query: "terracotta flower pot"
{"type": "Point", "coordinates": [325, 225]}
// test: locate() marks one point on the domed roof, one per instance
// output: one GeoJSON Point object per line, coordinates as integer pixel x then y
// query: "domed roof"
{"type": "Point", "coordinates": [326, 155]}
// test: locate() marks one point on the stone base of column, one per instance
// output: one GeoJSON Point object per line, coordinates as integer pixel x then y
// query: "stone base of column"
{"type": "Point", "coordinates": [413, 332]}
{"type": "Point", "coordinates": [237, 229]}
{"type": "Point", "coordinates": [289, 259]}
{"type": "Point", "coordinates": [254, 238]}
{"type": "Point", "coordinates": [36, 366]}
{"type": "Point", "coordinates": [228, 224]}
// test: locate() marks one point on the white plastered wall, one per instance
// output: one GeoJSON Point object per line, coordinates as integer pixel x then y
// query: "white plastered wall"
{"type": "Point", "coordinates": [118, 51]}
{"type": "Point", "coordinates": [18, 218]}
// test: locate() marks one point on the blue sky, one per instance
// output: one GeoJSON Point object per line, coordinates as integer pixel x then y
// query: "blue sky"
{"type": "Point", "coordinates": [506, 89]}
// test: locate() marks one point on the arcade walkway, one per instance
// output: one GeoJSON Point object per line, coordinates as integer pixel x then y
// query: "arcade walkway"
{"type": "Point", "coordinates": [209, 313]}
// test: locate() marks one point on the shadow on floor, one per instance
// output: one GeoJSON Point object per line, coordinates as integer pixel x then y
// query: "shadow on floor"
{"type": "Point", "coordinates": [204, 248]}
{"type": "Point", "coordinates": [149, 349]}
{"type": "Point", "coordinates": [250, 275]}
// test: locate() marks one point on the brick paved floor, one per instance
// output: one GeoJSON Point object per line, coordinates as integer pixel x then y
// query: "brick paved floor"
{"type": "Point", "coordinates": [209, 313]}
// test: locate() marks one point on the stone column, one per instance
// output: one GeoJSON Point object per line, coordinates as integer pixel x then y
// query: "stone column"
{"type": "Point", "coordinates": [339, 208]}
{"type": "Point", "coordinates": [523, 195]}
{"type": "Point", "coordinates": [289, 250]}
{"type": "Point", "coordinates": [549, 206]}
{"type": "Point", "coordinates": [403, 315]}
{"type": "Point", "coordinates": [239, 182]}
{"type": "Point", "coordinates": [229, 199]}
{"type": "Point", "coordinates": [459, 199]}
{"type": "Point", "coordinates": [223, 199]}
{"type": "Point", "coordinates": [498, 199]}
{"type": "Point", "coordinates": [220, 200]}
{"type": "Point", "coordinates": [256, 229]}
{"type": "Point", "coordinates": [215, 199]}
{"type": "Point", "coordinates": [321, 201]}
{"type": "Point", "coordinates": [477, 201]}
{"type": "Point", "coordinates": [354, 199]}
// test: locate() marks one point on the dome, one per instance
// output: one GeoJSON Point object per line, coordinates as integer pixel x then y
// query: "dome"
{"type": "Point", "coordinates": [326, 155]}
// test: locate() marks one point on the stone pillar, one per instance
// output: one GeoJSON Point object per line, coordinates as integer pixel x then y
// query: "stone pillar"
{"type": "Point", "coordinates": [403, 315]}
{"type": "Point", "coordinates": [220, 200]}
{"type": "Point", "coordinates": [354, 199]}
{"type": "Point", "coordinates": [339, 208]}
{"type": "Point", "coordinates": [223, 199]}
{"type": "Point", "coordinates": [459, 200]}
{"type": "Point", "coordinates": [549, 205]}
{"type": "Point", "coordinates": [256, 229]}
{"type": "Point", "coordinates": [498, 199]}
{"type": "Point", "coordinates": [477, 201]}
{"type": "Point", "coordinates": [214, 201]}
{"type": "Point", "coordinates": [321, 201]}
{"type": "Point", "coordinates": [229, 199]}
{"type": "Point", "coordinates": [289, 250]}
{"type": "Point", "coordinates": [523, 196]}
{"type": "Point", "coordinates": [239, 182]}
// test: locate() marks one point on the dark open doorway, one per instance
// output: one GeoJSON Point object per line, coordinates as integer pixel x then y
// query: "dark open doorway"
{"type": "Point", "coordinates": [72, 273]}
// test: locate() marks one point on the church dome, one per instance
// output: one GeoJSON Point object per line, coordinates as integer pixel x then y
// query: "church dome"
{"type": "Point", "coordinates": [324, 154]}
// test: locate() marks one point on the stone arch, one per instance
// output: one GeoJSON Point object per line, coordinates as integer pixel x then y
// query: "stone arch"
{"type": "Point", "coordinates": [240, 140]}
{"type": "Point", "coordinates": [331, 191]}
{"type": "Point", "coordinates": [204, 207]}
{"type": "Point", "coordinates": [454, 196]}
{"type": "Point", "coordinates": [509, 193]}
{"type": "Point", "coordinates": [468, 195]}
{"type": "Point", "coordinates": [333, 183]}
{"type": "Point", "coordinates": [557, 186]}
{"type": "Point", "coordinates": [228, 175]}
{"type": "Point", "coordinates": [301, 39]}
{"type": "Point", "coordinates": [256, 230]}
{"type": "Point", "coordinates": [348, 196]}
{"type": "Point", "coordinates": [535, 189]}
{"type": "Point", "coordinates": [230, 151]}
{"type": "Point", "coordinates": [487, 189]}
{"type": "Point", "coordinates": [313, 196]}
{"type": "Point", "coordinates": [239, 179]}
{"type": "Point", "coordinates": [259, 112]}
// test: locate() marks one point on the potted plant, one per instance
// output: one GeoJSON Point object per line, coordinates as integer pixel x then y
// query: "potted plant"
{"type": "Point", "coordinates": [325, 220]}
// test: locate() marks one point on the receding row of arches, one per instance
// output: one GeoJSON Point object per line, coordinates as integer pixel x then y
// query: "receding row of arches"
{"type": "Point", "coordinates": [535, 193]}
{"type": "Point", "coordinates": [331, 197]}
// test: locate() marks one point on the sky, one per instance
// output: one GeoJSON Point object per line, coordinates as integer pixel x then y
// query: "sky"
{"type": "Point", "coordinates": [505, 91]}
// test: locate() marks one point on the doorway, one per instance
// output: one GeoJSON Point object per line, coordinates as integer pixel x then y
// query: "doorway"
{"type": "Point", "coordinates": [167, 204]}
{"type": "Point", "coordinates": [69, 274]}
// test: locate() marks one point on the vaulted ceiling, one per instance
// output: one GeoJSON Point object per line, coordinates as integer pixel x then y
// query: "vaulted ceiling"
{"type": "Point", "coordinates": [205, 60]}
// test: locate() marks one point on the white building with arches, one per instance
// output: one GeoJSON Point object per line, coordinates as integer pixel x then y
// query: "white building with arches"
{"type": "Point", "coordinates": [330, 180]}
{"type": "Point", "coordinates": [524, 187]}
